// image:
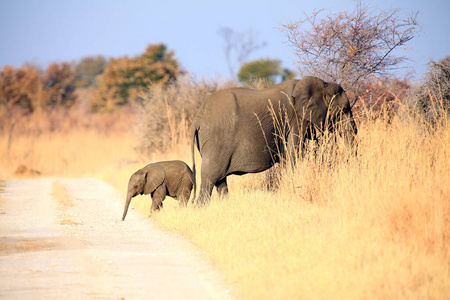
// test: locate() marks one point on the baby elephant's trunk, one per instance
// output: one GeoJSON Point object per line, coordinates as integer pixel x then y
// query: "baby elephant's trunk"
{"type": "Point", "coordinates": [127, 204]}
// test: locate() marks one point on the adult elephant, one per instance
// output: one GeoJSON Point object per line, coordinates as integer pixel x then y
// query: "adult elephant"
{"type": "Point", "coordinates": [239, 130]}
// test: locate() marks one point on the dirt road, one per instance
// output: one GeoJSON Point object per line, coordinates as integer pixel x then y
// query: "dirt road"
{"type": "Point", "coordinates": [86, 252]}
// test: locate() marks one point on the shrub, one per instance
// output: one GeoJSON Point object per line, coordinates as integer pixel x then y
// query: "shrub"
{"type": "Point", "coordinates": [166, 112]}
{"type": "Point", "coordinates": [431, 99]}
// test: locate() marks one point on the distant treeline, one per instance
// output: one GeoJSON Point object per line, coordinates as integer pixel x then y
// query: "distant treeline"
{"type": "Point", "coordinates": [112, 82]}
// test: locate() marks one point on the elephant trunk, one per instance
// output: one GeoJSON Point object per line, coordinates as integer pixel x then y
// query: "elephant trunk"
{"type": "Point", "coordinates": [127, 204]}
{"type": "Point", "coordinates": [350, 132]}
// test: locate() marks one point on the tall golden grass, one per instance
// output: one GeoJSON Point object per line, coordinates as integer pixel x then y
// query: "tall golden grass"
{"type": "Point", "coordinates": [375, 226]}
{"type": "Point", "coordinates": [74, 153]}
{"type": "Point", "coordinates": [69, 145]}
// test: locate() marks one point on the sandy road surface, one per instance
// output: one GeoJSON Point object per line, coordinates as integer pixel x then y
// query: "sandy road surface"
{"type": "Point", "coordinates": [86, 252]}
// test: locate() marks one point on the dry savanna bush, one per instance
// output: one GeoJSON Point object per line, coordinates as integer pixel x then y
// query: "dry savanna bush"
{"type": "Point", "coordinates": [435, 86]}
{"type": "Point", "coordinates": [166, 113]}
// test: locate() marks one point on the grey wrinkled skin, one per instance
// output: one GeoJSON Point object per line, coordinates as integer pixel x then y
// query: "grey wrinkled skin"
{"type": "Point", "coordinates": [161, 179]}
{"type": "Point", "coordinates": [236, 133]}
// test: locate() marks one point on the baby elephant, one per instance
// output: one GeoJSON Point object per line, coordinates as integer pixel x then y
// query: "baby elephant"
{"type": "Point", "coordinates": [161, 179]}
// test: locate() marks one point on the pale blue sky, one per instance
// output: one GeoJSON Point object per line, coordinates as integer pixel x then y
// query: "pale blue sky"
{"type": "Point", "coordinates": [45, 31]}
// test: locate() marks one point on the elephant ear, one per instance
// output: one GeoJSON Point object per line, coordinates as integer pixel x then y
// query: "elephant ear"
{"type": "Point", "coordinates": [310, 100]}
{"type": "Point", "coordinates": [155, 176]}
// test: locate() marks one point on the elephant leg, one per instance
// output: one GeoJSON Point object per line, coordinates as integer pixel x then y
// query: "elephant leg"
{"type": "Point", "coordinates": [215, 164]}
{"type": "Point", "coordinates": [183, 197]}
{"type": "Point", "coordinates": [222, 187]}
{"type": "Point", "coordinates": [206, 188]}
{"type": "Point", "coordinates": [158, 197]}
{"type": "Point", "coordinates": [214, 167]}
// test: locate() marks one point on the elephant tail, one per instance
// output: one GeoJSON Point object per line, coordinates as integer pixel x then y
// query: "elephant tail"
{"type": "Point", "coordinates": [194, 177]}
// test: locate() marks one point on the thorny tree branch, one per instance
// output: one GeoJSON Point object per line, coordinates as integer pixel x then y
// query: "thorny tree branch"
{"type": "Point", "coordinates": [350, 47]}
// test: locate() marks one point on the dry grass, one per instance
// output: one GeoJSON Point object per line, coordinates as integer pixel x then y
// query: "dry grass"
{"type": "Point", "coordinates": [79, 152]}
{"type": "Point", "coordinates": [166, 113]}
{"type": "Point", "coordinates": [372, 227]}
{"type": "Point", "coordinates": [65, 144]}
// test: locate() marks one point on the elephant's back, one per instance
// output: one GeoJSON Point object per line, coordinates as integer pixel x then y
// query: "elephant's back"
{"type": "Point", "coordinates": [176, 166]}
{"type": "Point", "coordinates": [218, 110]}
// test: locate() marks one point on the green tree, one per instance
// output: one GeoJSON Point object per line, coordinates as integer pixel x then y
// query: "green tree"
{"type": "Point", "coordinates": [59, 87]}
{"type": "Point", "coordinates": [88, 69]}
{"type": "Point", "coordinates": [124, 79]}
{"type": "Point", "coordinates": [20, 89]}
{"type": "Point", "coordinates": [267, 69]}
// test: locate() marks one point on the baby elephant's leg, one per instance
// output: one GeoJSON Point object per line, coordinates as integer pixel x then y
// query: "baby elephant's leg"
{"type": "Point", "coordinates": [183, 197]}
{"type": "Point", "coordinates": [157, 198]}
{"type": "Point", "coordinates": [184, 193]}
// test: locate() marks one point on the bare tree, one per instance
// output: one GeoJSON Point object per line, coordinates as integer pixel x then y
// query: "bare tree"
{"type": "Point", "coordinates": [238, 46]}
{"type": "Point", "coordinates": [350, 47]}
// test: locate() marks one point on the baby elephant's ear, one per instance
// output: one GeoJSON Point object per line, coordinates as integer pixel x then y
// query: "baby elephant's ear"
{"type": "Point", "coordinates": [154, 178]}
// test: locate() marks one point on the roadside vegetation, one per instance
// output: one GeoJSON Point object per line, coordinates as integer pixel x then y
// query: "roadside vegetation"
{"type": "Point", "coordinates": [374, 227]}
